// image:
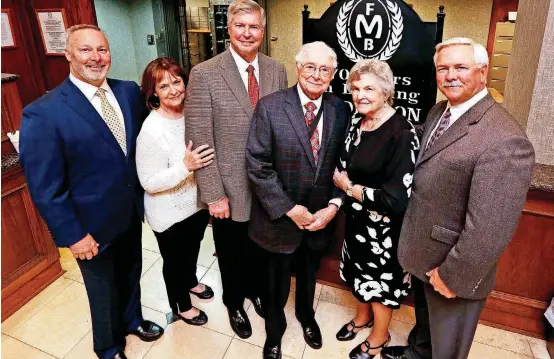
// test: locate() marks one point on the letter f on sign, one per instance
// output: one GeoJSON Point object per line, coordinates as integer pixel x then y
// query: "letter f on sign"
{"type": "Point", "coordinates": [369, 8]}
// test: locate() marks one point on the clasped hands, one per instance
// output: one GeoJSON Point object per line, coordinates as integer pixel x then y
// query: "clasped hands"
{"type": "Point", "coordinates": [86, 248]}
{"type": "Point", "coordinates": [438, 284]}
{"type": "Point", "coordinates": [312, 222]}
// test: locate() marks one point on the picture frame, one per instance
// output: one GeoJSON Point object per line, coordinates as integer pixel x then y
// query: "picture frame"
{"type": "Point", "coordinates": [8, 34]}
{"type": "Point", "coordinates": [52, 25]}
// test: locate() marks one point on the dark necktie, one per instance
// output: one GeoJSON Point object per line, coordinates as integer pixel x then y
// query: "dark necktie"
{"type": "Point", "coordinates": [252, 86]}
{"type": "Point", "coordinates": [443, 125]}
{"type": "Point", "coordinates": [314, 140]}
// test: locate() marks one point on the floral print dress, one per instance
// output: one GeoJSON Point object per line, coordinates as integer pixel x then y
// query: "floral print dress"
{"type": "Point", "coordinates": [383, 162]}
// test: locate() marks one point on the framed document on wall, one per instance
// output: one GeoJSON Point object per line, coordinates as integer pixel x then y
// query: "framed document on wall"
{"type": "Point", "coordinates": [8, 37]}
{"type": "Point", "coordinates": [52, 24]}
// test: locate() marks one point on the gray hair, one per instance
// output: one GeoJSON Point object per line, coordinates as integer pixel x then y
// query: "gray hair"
{"type": "Point", "coordinates": [73, 29]}
{"type": "Point", "coordinates": [244, 6]}
{"type": "Point", "coordinates": [316, 46]}
{"type": "Point", "coordinates": [479, 52]}
{"type": "Point", "coordinates": [380, 69]}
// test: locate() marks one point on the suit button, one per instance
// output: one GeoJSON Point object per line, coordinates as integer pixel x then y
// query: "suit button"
{"type": "Point", "coordinates": [128, 184]}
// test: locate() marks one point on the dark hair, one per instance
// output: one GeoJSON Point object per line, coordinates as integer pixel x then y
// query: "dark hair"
{"type": "Point", "coordinates": [154, 73]}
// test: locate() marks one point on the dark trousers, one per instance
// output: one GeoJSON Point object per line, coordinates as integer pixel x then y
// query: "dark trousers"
{"type": "Point", "coordinates": [112, 280]}
{"type": "Point", "coordinates": [179, 246]}
{"type": "Point", "coordinates": [305, 263]}
{"type": "Point", "coordinates": [239, 262]}
{"type": "Point", "coordinates": [447, 326]}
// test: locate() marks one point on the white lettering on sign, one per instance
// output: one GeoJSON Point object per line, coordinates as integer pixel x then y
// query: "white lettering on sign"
{"type": "Point", "coordinates": [376, 21]}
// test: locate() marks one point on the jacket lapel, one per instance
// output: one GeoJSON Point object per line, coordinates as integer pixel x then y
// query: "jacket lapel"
{"type": "Point", "coordinates": [434, 117]}
{"type": "Point", "coordinates": [295, 114]}
{"type": "Point", "coordinates": [329, 117]}
{"type": "Point", "coordinates": [77, 101]}
{"type": "Point", "coordinates": [230, 73]}
{"type": "Point", "coordinates": [459, 129]}
{"type": "Point", "coordinates": [266, 76]}
{"type": "Point", "coordinates": [123, 102]}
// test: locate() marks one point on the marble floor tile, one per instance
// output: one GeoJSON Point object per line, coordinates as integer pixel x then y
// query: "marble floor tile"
{"type": "Point", "coordinates": [183, 341]}
{"type": "Point", "coordinates": [14, 349]}
{"type": "Point", "coordinates": [148, 259]}
{"type": "Point", "coordinates": [405, 314]}
{"type": "Point", "coordinates": [293, 343]}
{"type": "Point", "coordinates": [482, 351]}
{"type": "Point", "coordinates": [34, 305]}
{"type": "Point", "coordinates": [218, 319]}
{"type": "Point", "coordinates": [337, 296]}
{"type": "Point", "coordinates": [75, 275]}
{"type": "Point", "coordinates": [318, 287]}
{"type": "Point", "coordinates": [4, 337]}
{"type": "Point", "coordinates": [60, 325]}
{"type": "Point", "coordinates": [215, 264]}
{"type": "Point", "coordinates": [503, 339]}
{"type": "Point", "coordinates": [67, 260]}
{"type": "Point", "coordinates": [207, 249]}
{"type": "Point", "coordinates": [152, 286]}
{"type": "Point", "coordinates": [243, 350]}
{"type": "Point", "coordinates": [148, 239]}
{"type": "Point", "coordinates": [538, 347]}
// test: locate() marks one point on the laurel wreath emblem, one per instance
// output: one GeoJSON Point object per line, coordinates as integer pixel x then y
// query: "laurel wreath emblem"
{"type": "Point", "coordinates": [392, 44]}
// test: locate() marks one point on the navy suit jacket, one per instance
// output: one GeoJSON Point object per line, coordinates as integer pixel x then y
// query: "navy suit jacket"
{"type": "Point", "coordinates": [282, 170]}
{"type": "Point", "coordinates": [77, 174]}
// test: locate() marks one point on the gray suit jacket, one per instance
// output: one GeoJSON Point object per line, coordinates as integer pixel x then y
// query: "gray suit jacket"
{"type": "Point", "coordinates": [467, 196]}
{"type": "Point", "coordinates": [218, 113]}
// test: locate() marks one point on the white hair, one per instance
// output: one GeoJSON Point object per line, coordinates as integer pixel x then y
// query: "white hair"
{"type": "Point", "coordinates": [479, 52]}
{"type": "Point", "coordinates": [245, 6]}
{"type": "Point", "coordinates": [315, 46]}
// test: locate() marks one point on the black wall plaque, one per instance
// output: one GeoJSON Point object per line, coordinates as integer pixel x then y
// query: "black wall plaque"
{"type": "Point", "coordinates": [388, 30]}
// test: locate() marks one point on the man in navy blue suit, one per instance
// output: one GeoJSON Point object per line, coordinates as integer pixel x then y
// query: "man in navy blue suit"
{"type": "Point", "coordinates": [77, 148]}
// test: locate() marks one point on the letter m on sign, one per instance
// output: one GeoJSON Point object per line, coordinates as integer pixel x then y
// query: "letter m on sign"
{"type": "Point", "coordinates": [376, 21]}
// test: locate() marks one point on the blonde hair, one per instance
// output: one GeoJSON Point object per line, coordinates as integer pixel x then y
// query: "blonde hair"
{"type": "Point", "coordinates": [244, 6]}
{"type": "Point", "coordinates": [380, 69]}
{"type": "Point", "coordinates": [73, 29]}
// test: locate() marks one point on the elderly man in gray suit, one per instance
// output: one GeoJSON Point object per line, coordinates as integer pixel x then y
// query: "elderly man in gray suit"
{"type": "Point", "coordinates": [221, 95]}
{"type": "Point", "coordinates": [470, 184]}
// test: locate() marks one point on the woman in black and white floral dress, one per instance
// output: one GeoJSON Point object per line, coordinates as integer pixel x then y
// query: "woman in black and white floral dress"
{"type": "Point", "coordinates": [375, 171]}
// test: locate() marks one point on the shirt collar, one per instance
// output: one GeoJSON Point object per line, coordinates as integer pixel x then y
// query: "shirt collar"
{"type": "Point", "coordinates": [305, 99]}
{"type": "Point", "coordinates": [458, 110]}
{"type": "Point", "coordinates": [87, 89]}
{"type": "Point", "coordinates": [241, 63]}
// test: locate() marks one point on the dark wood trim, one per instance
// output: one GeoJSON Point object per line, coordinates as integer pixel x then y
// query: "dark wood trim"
{"type": "Point", "coordinates": [12, 303]}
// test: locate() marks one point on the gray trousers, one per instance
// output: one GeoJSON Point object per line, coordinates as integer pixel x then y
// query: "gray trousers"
{"type": "Point", "coordinates": [444, 327]}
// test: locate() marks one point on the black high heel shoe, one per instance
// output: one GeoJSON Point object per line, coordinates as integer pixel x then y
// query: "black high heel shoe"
{"type": "Point", "coordinates": [359, 353]}
{"type": "Point", "coordinates": [200, 319]}
{"type": "Point", "coordinates": [208, 293]}
{"type": "Point", "coordinates": [345, 334]}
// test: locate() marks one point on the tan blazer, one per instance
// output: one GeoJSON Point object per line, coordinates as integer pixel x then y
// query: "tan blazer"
{"type": "Point", "coordinates": [467, 196]}
{"type": "Point", "coordinates": [218, 113]}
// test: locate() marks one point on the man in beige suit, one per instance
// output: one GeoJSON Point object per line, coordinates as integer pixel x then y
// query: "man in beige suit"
{"type": "Point", "coordinates": [469, 187]}
{"type": "Point", "coordinates": [221, 96]}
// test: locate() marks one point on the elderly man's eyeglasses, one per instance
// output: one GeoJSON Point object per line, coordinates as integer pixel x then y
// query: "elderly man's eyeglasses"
{"type": "Point", "coordinates": [324, 71]}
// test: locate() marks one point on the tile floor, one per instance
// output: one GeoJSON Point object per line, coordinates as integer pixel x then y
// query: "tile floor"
{"type": "Point", "coordinates": [56, 323]}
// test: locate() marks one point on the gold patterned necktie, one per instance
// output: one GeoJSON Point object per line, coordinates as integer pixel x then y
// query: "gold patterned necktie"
{"type": "Point", "coordinates": [112, 120]}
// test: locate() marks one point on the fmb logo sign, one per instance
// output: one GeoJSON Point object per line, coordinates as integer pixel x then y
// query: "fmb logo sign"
{"type": "Point", "coordinates": [369, 29]}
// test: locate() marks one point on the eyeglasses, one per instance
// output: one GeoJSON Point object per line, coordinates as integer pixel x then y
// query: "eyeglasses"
{"type": "Point", "coordinates": [324, 71]}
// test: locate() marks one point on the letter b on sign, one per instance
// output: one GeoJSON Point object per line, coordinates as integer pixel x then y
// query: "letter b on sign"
{"type": "Point", "coordinates": [368, 44]}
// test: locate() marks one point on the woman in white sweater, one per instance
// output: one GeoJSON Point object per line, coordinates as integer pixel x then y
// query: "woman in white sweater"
{"type": "Point", "coordinates": [165, 167]}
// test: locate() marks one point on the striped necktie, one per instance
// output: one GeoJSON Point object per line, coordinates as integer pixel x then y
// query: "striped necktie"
{"type": "Point", "coordinates": [443, 126]}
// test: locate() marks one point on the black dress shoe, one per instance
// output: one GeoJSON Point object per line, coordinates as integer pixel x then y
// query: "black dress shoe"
{"type": "Point", "coordinates": [312, 335]}
{"type": "Point", "coordinates": [200, 319]}
{"type": "Point", "coordinates": [396, 352]}
{"type": "Point", "coordinates": [258, 307]}
{"type": "Point", "coordinates": [119, 355]}
{"type": "Point", "coordinates": [345, 334]}
{"type": "Point", "coordinates": [272, 351]}
{"type": "Point", "coordinates": [240, 323]}
{"type": "Point", "coordinates": [208, 293]}
{"type": "Point", "coordinates": [359, 353]}
{"type": "Point", "coordinates": [148, 331]}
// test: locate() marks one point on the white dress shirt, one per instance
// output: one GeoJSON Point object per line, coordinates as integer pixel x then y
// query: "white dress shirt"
{"type": "Point", "coordinates": [90, 93]}
{"type": "Point", "coordinates": [243, 66]}
{"type": "Point", "coordinates": [457, 111]}
{"type": "Point", "coordinates": [317, 102]}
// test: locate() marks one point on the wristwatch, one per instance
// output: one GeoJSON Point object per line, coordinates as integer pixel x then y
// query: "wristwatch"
{"type": "Point", "coordinates": [349, 189]}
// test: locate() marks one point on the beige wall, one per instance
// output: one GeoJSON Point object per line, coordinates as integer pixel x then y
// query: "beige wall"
{"type": "Point", "coordinates": [469, 18]}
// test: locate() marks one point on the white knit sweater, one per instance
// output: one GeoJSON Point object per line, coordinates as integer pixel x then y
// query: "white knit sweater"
{"type": "Point", "coordinates": [170, 188]}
